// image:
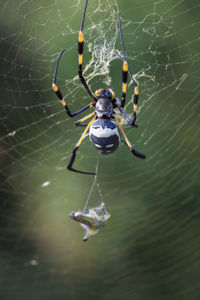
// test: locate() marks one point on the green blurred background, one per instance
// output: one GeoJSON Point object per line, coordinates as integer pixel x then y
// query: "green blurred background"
{"type": "Point", "coordinates": [149, 249]}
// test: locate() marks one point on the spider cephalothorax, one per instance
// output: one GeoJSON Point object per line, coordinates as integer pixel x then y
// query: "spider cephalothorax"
{"type": "Point", "coordinates": [104, 127]}
{"type": "Point", "coordinates": [104, 104]}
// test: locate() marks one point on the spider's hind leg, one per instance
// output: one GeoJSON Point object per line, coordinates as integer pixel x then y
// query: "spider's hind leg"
{"type": "Point", "coordinates": [73, 156]}
{"type": "Point", "coordinates": [132, 149]}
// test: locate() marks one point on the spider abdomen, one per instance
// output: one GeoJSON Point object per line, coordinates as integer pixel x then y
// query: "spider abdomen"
{"type": "Point", "coordinates": [104, 136]}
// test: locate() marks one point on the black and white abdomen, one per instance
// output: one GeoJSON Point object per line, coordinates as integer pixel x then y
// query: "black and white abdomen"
{"type": "Point", "coordinates": [104, 136]}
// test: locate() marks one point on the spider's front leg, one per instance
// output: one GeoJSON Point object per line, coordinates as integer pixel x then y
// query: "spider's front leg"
{"type": "Point", "coordinates": [135, 100]}
{"type": "Point", "coordinates": [124, 82]}
{"type": "Point", "coordinates": [80, 56]}
{"type": "Point", "coordinates": [60, 96]}
{"type": "Point", "coordinates": [73, 156]}
{"type": "Point", "coordinates": [79, 122]}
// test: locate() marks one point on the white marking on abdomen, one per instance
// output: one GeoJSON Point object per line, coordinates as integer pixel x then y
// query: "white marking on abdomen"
{"type": "Point", "coordinates": [98, 145]}
{"type": "Point", "coordinates": [109, 146]}
{"type": "Point", "coordinates": [104, 132]}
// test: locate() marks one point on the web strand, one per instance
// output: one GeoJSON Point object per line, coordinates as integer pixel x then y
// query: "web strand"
{"type": "Point", "coordinates": [92, 186]}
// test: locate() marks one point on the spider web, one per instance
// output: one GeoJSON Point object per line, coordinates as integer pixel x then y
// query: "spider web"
{"type": "Point", "coordinates": [152, 241]}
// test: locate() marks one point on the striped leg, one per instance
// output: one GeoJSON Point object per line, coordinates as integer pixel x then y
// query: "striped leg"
{"type": "Point", "coordinates": [124, 79]}
{"type": "Point", "coordinates": [134, 151]}
{"type": "Point", "coordinates": [135, 99]}
{"type": "Point", "coordinates": [73, 156]}
{"type": "Point", "coordinates": [124, 82]}
{"type": "Point", "coordinates": [136, 96]}
{"type": "Point", "coordinates": [79, 122]}
{"type": "Point", "coordinates": [60, 96]}
{"type": "Point", "coordinates": [125, 67]}
{"type": "Point", "coordinates": [80, 56]}
{"type": "Point", "coordinates": [117, 103]}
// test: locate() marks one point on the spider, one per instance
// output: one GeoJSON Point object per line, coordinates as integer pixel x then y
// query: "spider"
{"type": "Point", "coordinates": [104, 127]}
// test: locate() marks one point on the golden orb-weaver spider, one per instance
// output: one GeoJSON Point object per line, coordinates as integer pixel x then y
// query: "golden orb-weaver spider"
{"type": "Point", "coordinates": [104, 127]}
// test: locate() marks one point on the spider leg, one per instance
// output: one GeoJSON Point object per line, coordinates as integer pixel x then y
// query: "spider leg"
{"type": "Point", "coordinates": [78, 123]}
{"type": "Point", "coordinates": [135, 99]}
{"type": "Point", "coordinates": [117, 104]}
{"type": "Point", "coordinates": [73, 156]}
{"type": "Point", "coordinates": [60, 96]}
{"type": "Point", "coordinates": [132, 149]}
{"type": "Point", "coordinates": [125, 117]}
{"type": "Point", "coordinates": [124, 79]}
{"type": "Point", "coordinates": [125, 67]}
{"type": "Point", "coordinates": [80, 56]}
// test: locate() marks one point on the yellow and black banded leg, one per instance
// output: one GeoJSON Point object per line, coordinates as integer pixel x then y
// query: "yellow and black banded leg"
{"type": "Point", "coordinates": [79, 122]}
{"type": "Point", "coordinates": [132, 149]}
{"type": "Point", "coordinates": [60, 96]}
{"type": "Point", "coordinates": [135, 101]}
{"type": "Point", "coordinates": [125, 67]}
{"type": "Point", "coordinates": [80, 56]}
{"type": "Point", "coordinates": [117, 103]}
{"type": "Point", "coordinates": [124, 82]}
{"type": "Point", "coordinates": [73, 156]}
{"type": "Point", "coordinates": [136, 96]}
{"type": "Point", "coordinates": [124, 79]}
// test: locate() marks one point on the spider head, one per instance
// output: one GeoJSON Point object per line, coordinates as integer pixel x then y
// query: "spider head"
{"type": "Point", "coordinates": [105, 94]}
{"type": "Point", "coordinates": [104, 105]}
